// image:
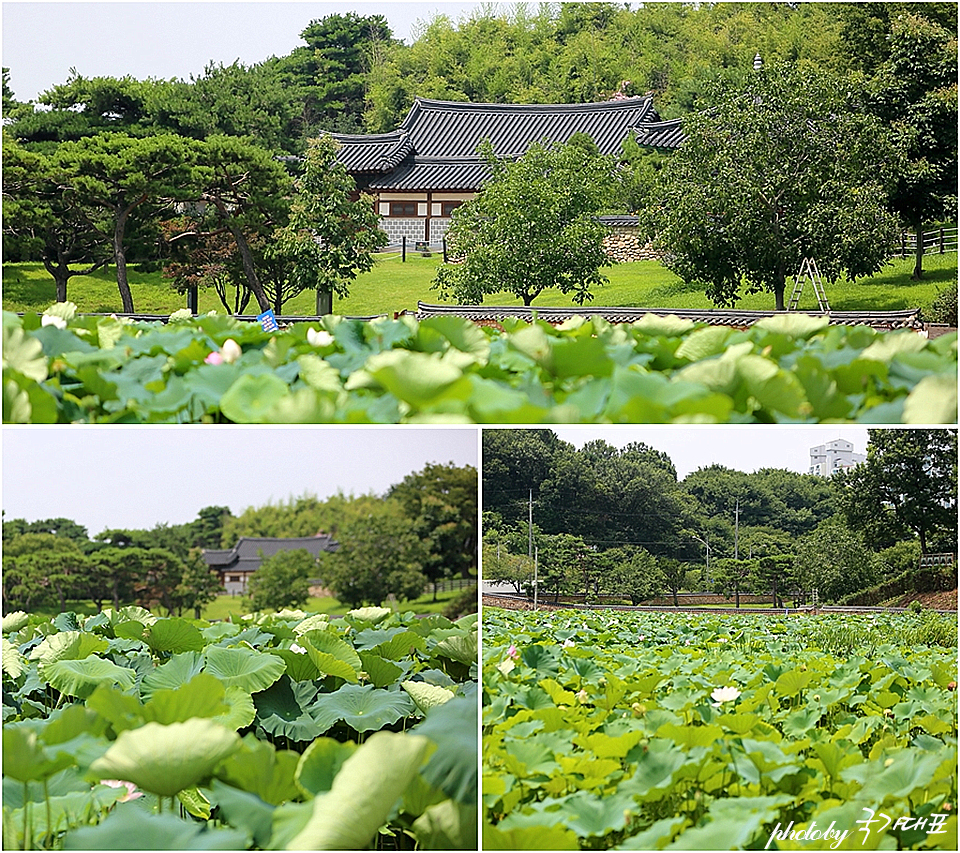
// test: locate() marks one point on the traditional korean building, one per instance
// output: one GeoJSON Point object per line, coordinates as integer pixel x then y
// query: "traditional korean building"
{"type": "Point", "coordinates": [421, 172]}
{"type": "Point", "coordinates": [235, 565]}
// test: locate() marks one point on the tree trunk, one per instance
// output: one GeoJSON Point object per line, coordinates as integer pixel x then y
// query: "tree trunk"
{"type": "Point", "coordinates": [324, 302]}
{"type": "Point", "coordinates": [918, 252]}
{"type": "Point", "coordinates": [779, 287]}
{"type": "Point", "coordinates": [246, 256]}
{"type": "Point", "coordinates": [120, 257]}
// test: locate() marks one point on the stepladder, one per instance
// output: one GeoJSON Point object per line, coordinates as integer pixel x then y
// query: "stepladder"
{"type": "Point", "coordinates": [809, 272]}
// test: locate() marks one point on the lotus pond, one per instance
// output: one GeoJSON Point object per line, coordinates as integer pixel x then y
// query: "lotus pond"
{"type": "Point", "coordinates": [638, 731]}
{"type": "Point", "coordinates": [286, 731]}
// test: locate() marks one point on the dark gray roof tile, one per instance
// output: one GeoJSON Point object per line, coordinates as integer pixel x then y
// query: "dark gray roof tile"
{"type": "Point", "coordinates": [907, 318]}
{"type": "Point", "coordinates": [660, 134]}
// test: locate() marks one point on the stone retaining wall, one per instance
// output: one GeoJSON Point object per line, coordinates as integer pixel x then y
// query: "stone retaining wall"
{"type": "Point", "coordinates": [622, 245]}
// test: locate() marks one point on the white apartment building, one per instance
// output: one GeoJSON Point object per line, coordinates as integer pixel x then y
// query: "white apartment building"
{"type": "Point", "coordinates": [827, 459]}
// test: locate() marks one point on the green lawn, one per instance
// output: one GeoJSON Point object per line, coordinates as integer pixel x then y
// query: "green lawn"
{"type": "Point", "coordinates": [394, 286]}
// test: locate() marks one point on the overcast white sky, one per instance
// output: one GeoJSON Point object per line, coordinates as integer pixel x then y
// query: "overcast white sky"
{"type": "Point", "coordinates": [741, 448]}
{"type": "Point", "coordinates": [137, 477]}
{"type": "Point", "coordinates": [42, 41]}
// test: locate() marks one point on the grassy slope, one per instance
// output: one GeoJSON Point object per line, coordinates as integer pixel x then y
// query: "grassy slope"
{"type": "Point", "coordinates": [394, 286]}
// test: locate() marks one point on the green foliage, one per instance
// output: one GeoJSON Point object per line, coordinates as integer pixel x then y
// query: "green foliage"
{"type": "Point", "coordinates": [944, 307]}
{"type": "Point", "coordinates": [441, 500]}
{"type": "Point", "coordinates": [783, 369]}
{"type": "Point", "coordinates": [283, 580]}
{"type": "Point", "coordinates": [788, 166]}
{"type": "Point", "coordinates": [330, 236]}
{"type": "Point", "coordinates": [533, 226]}
{"type": "Point", "coordinates": [684, 731]}
{"type": "Point", "coordinates": [834, 560]}
{"type": "Point", "coordinates": [913, 87]}
{"type": "Point", "coordinates": [907, 484]}
{"type": "Point", "coordinates": [380, 555]}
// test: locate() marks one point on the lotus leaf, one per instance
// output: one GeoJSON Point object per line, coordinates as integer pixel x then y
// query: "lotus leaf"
{"type": "Point", "coordinates": [282, 709]}
{"type": "Point", "coordinates": [25, 759]}
{"type": "Point", "coordinates": [320, 763]}
{"type": "Point", "coordinates": [174, 635]}
{"type": "Point", "coordinates": [426, 696]}
{"type": "Point", "coordinates": [14, 621]}
{"type": "Point", "coordinates": [362, 708]}
{"type": "Point", "coordinates": [82, 677]}
{"type": "Point", "coordinates": [13, 662]}
{"type": "Point", "coordinates": [152, 832]}
{"type": "Point", "coordinates": [363, 793]}
{"type": "Point", "coordinates": [453, 767]}
{"type": "Point", "coordinates": [401, 645]}
{"type": "Point", "coordinates": [380, 671]}
{"type": "Point", "coordinates": [166, 759]}
{"type": "Point", "coordinates": [175, 672]}
{"type": "Point", "coordinates": [244, 668]}
{"type": "Point", "coordinates": [67, 645]}
{"type": "Point", "coordinates": [332, 655]}
{"type": "Point", "coordinates": [461, 648]}
{"type": "Point", "coordinates": [447, 826]}
{"type": "Point", "coordinates": [373, 615]}
{"type": "Point", "coordinates": [300, 666]}
{"type": "Point", "coordinates": [202, 696]}
{"type": "Point", "coordinates": [258, 768]}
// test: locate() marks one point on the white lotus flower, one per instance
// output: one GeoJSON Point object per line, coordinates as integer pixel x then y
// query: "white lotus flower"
{"type": "Point", "coordinates": [300, 650]}
{"type": "Point", "coordinates": [725, 694]}
{"type": "Point", "coordinates": [230, 351]}
{"type": "Point", "coordinates": [568, 644]}
{"type": "Point", "coordinates": [52, 320]}
{"type": "Point", "coordinates": [319, 338]}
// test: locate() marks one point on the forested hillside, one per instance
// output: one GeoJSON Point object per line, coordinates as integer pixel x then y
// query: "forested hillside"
{"type": "Point", "coordinates": [618, 521]}
{"type": "Point", "coordinates": [353, 75]}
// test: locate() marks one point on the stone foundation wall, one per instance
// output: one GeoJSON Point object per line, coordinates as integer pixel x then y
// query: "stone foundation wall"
{"type": "Point", "coordinates": [397, 228]}
{"type": "Point", "coordinates": [622, 245]}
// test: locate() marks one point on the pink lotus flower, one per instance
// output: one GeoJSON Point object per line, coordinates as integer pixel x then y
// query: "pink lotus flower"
{"type": "Point", "coordinates": [228, 353]}
{"type": "Point", "coordinates": [513, 652]}
{"type": "Point", "coordinates": [132, 792]}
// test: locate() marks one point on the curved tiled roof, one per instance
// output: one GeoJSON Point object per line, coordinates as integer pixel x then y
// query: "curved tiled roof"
{"type": "Point", "coordinates": [246, 554]}
{"type": "Point", "coordinates": [374, 153]}
{"type": "Point", "coordinates": [908, 318]}
{"type": "Point", "coordinates": [660, 134]}
{"type": "Point", "coordinates": [453, 129]}
{"type": "Point", "coordinates": [436, 144]}
{"type": "Point", "coordinates": [417, 174]}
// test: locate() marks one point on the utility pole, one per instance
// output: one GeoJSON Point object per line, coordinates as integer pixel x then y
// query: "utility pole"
{"type": "Point", "coordinates": [536, 561]}
{"type": "Point", "coordinates": [736, 552]}
{"type": "Point", "coordinates": [530, 528]}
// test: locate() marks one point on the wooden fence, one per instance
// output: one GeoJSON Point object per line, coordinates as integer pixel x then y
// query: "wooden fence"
{"type": "Point", "coordinates": [939, 241]}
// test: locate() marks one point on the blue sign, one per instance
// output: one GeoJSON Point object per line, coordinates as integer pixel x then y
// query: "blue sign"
{"type": "Point", "coordinates": [268, 320]}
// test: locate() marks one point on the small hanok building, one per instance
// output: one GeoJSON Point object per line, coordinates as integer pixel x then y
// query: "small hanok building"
{"type": "Point", "coordinates": [235, 566]}
{"type": "Point", "coordinates": [421, 172]}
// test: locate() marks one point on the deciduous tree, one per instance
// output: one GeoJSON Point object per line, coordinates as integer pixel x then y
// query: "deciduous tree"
{"type": "Point", "coordinates": [834, 560]}
{"type": "Point", "coordinates": [283, 580]}
{"type": "Point", "coordinates": [533, 226]}
{"type": "Point", "coordinates": [330, 235]}
{"type": "Point", "coordinates": [907, 487]}
{"type": "Point", "coordinates": [441, 500]}
{"type": "Point", "coordinates": [790, 166]}
{"type": "Point", "coordinates": [380, 555]}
